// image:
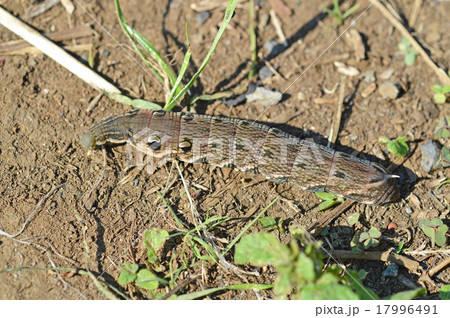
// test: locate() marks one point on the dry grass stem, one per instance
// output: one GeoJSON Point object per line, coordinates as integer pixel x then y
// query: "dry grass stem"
{"type": "Point", "coordinates": [443, 77]}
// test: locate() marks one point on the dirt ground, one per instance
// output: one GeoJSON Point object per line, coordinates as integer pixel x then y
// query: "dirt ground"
{"type": "Point", "coordinates": [43, 166]}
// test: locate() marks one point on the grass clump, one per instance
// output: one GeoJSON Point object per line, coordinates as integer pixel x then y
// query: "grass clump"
{"type": "Point", "coordinates": [176, 91]}
{"type": "Point", "coordinates": [337, 13]}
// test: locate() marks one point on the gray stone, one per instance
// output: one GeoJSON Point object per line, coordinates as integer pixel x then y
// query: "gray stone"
{"type": "Point", "coordinates": [386, 74]}
{"type": "Point", "coordinates": [273, 47]}
{"type": "Point", "coordinates": [369, 76]}
{"type": "Point", "coordinates": [105, 53]}
{"type": "Point", "coordinates": [430, 154]}
{"type": "Point", "coordinates": [264, 73]}
{"type": "Point", "coordinates": [264, 96]}
{"type": "Point", "coordinates": [201, 17]}
{"type": "Point", "coordinates": [391, 270]}
{"type": "Point", "coordinates": [408, 210]}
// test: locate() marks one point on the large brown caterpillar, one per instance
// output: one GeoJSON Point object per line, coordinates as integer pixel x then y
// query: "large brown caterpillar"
{"type": "Point", "coordinates": [249, 147]}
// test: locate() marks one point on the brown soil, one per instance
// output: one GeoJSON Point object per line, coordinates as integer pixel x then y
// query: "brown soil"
{"type": "Point", "coordinates": [44, 115]}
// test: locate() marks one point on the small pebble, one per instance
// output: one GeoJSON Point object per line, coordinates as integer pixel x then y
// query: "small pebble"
{"type": "Point", "coordinates": [345, 69]}
{"type": "Point", "coordinates": [136, 182]}
{"type": "Point", "coordinates": [368, 90]}
{"type": "Point", "coordinates": [369, 76]}
{"type": "Point", "coordinates": [105, 53]}
{"type": "Point", "coordinates": [201, 17]}
{"type": "Point", "coordinates": [391, 270]}
{"type": "Point", "coordinates": [408, 210]}
{"type": "Point", "coordinates": [236, 100]}
{"type": "Point", "coordinates": [386, 74]}
{"type": "Point", "coordinates": [389, 90]}
{"type": "Point", "coordinates": [264, 96]}
{"type": "Point", "coordinates": [300, 96]}
{"type": "Point", "coordinates": [273, 47]}
{"type": "Point", "coordinates": [414, 199]}
{"type": "Point", "coordinates": [392, 226]}
{"type": "Point", "coordinates": [430, 155]}
{"type": "Point", "coordinates": [264, 73]}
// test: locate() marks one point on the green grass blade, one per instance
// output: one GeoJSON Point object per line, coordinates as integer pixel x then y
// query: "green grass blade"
{"type": "Point", "coordinates": [207, 247]}
{"type": "Point", "coordinates": [176, 86]}
{"type": "Point", "coordinates": [224, 94]}
{"type": "Point", "coordinates": [350, 11]}
{"type": "Point", "coordinates": [138, 103]}
{"type": "Point", "coordinates": [177, 220]}
{"type": "Point", "coordinates": [228, 15]}
{"type": "Point", "coordinates": [238, 237]}
{"type": "Point", "coordinates": [134, 36]}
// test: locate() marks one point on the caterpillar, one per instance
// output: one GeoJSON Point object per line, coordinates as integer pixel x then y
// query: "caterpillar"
{"type": "Point", "coordinates": [250, 147]}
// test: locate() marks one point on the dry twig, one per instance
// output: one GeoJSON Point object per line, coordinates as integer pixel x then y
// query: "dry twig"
{"type": "Point", "coordinates": [335, 128]}
{"type": "Point", "coordinates": [387, 256]}
{"type": "Point", "coordinates": [443, 77]}
{"type": "Point", "coordinates": [436, 269]}
{"type": "Point", "coordinates": [324, 221]}
{"type": "Point", "coordinates": [278, 29]}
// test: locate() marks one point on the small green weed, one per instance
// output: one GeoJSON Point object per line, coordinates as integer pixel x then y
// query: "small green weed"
{"type": "Point", "coordinates": [144, 278]}
{"type": "Point", "coordinates": [337, 13]}
{"type": "Point", "coordinates": [301, 273]}
{"type": "Point", "coordinates": [442, 131]}
{"type": "Point", "coordinates": [353, 219]}
{"type": "Point", "coordinates": [365, 240]}
{"type": "Point", "coordinates": [154, 240]}
{"type": "Point", "coordinates": [443, 128]}
{"type": "Point", "coordinates": [410, 52]}
{"type": "Point", "coordinates": [441, 93]}
{"type": "Point", "coordinates": [162, 71]}
{"type": "Point", "coordinates": [330, 200]}
{"type": "Point", "coordinates": [270, 224]}
{"type": "Point", "coordinates": [333, 235]}
{"type": "Point", "coordinates": [444, 292]}
{"type": "Point", "coordinates": [195, 251]}
{"type": "Point", "coordinates": [444, 159]}
{"type": "Point", "coordinates": [436, 230]}
{"type": "Point", "coordinates": [400, 247]}
{"type": "Point", "coordinates": [398, 147]}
